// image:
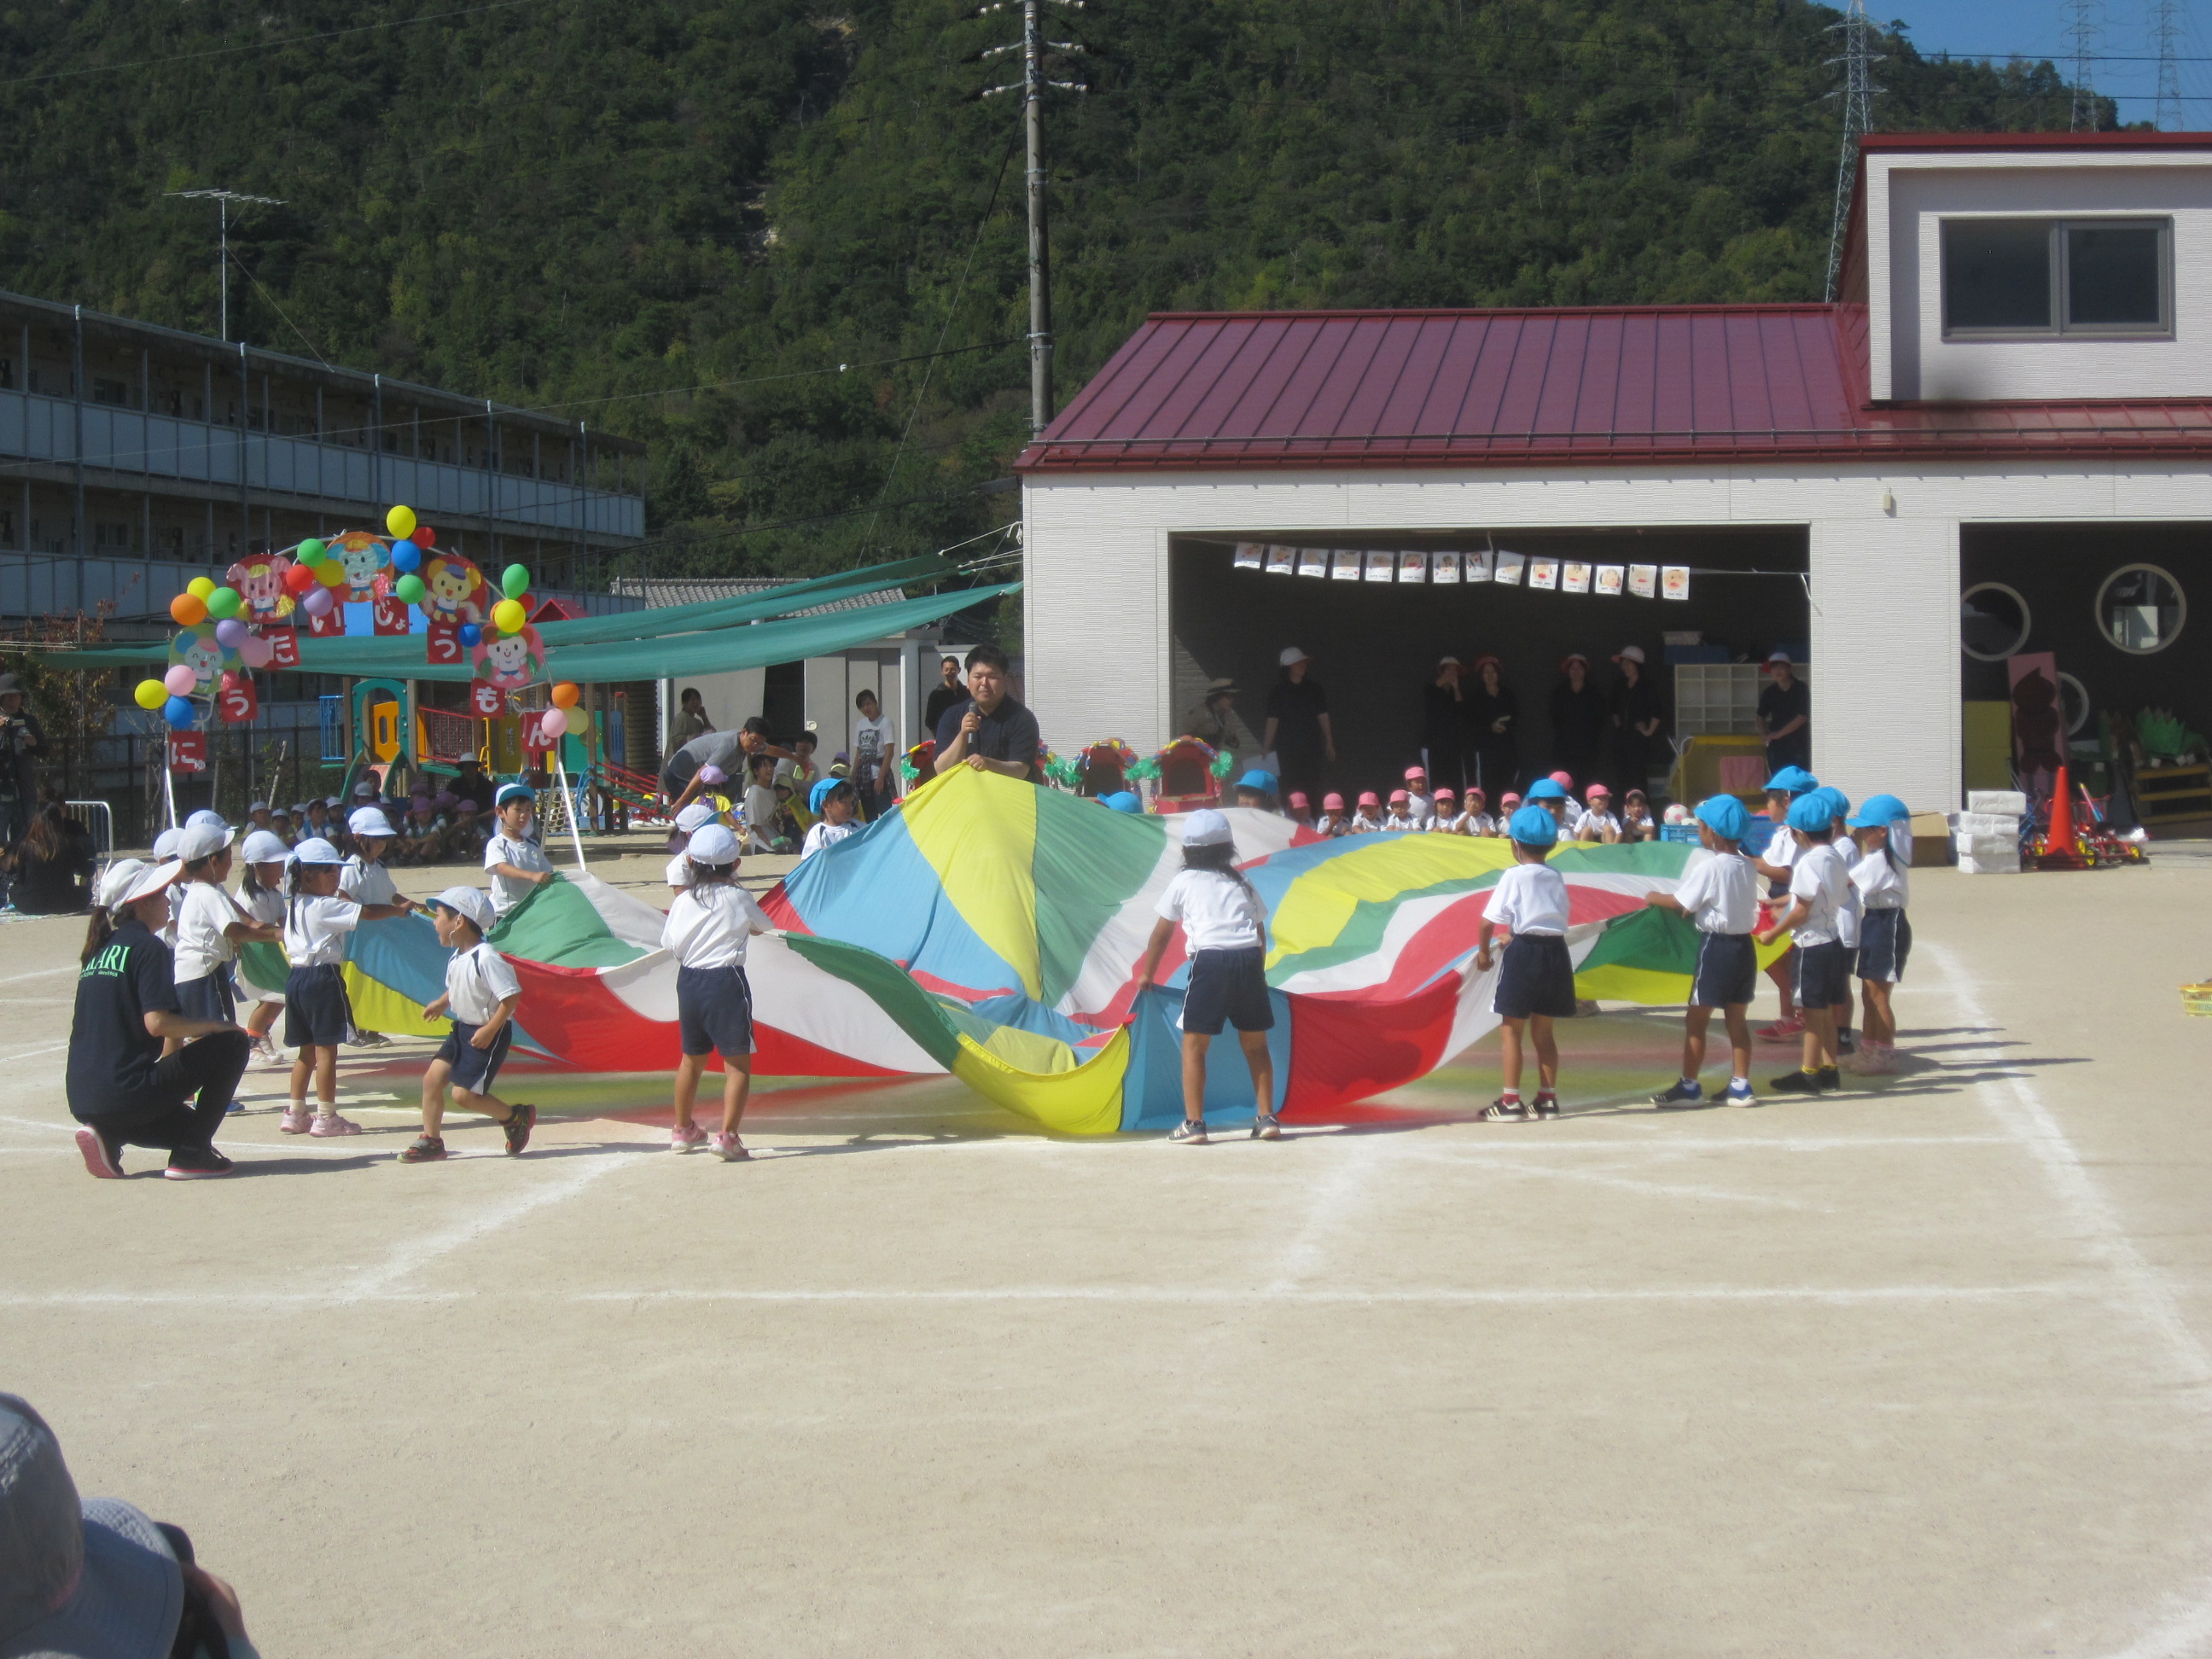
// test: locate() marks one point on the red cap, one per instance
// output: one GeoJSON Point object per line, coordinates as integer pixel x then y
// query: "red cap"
{"type": "Point", "coordinates": [1369, 797]}
{"type": "Point", "coordinates": [1413, 772]}
{"type": "Point", "coordinates": [1397, 795]}
{"type": "Point", "coordinates": [1445, 792]}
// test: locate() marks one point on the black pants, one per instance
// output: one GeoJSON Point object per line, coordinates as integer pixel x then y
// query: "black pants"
{"type": "Point", "coordinates": [208, 1069]}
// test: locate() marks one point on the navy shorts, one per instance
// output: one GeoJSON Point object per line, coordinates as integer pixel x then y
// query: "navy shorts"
{"type": "Point", "coordinates": [1727, 970]}
{"type": "Point", "coordinates": [1885, 941]}
{"type": "Point", "coordinates": [475, 1069]}
{"type": "Point", "coordinates": [208, 997]}
{"type": "Point", "coordinates": [1537, 976]}
{"type": "Point", "coordinates": [1228, 987]}
{"type": "Point", "coordinates": [316, 1010]}
{"type": "Point", "coordinates": [1824, 974]}
{"type": "Point", "coordinates": [715, 1011]}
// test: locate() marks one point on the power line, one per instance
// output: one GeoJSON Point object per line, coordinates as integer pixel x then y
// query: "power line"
{"type": "Point", "coordinates": [1858, 60]}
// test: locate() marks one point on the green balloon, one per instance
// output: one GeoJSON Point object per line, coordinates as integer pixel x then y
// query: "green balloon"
{"type": "Point", "coordinates": [310, 552]}
{"type": "Point", "coordinates": [223, 604]}
{"type": "Point", "coordinates": [410, 589]}
{"type": "Point", "coordinates": [514, 581]}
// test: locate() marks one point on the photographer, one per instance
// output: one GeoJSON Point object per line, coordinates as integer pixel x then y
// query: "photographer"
{"type": "Point", "coordinates": [22, 747]}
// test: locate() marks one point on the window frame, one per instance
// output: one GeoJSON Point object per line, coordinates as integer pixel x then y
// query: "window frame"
{"type": "Point", "coordinates": [2061, 275]}
{"type": "Point", "coordinates": [2097, 609]}
{"type": "Point", "coordinates": [2026, 620]}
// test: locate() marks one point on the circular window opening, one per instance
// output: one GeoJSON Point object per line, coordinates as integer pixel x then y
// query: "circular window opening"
{"type": "Point", "coordinates": [1993, 621]}
{"type": "Point", "coordinates": [2141, 608]}
{"type": "Point", "coordinates": [2074, 698]}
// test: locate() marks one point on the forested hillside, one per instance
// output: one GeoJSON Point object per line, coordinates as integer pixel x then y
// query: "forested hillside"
{"type": "Point", "coordinates": [675, 218]}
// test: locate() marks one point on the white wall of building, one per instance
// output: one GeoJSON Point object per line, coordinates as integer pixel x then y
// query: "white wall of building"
{"type": "Point", "coordinates": [1884, 577]}
{"type": "Point", "coordinates": [1910, 195]}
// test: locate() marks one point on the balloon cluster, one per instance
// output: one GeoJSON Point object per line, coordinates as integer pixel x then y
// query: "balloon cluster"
{"type": "Point", "coordinates": [410, 540]}
{"type": "Point", "coordinates": [566, 717]}
{"type": "Point", "coordinates": [172, 695]}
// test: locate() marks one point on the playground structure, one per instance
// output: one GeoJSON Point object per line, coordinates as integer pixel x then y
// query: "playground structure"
{"type": "Point", "coordinates": [1188, 774]}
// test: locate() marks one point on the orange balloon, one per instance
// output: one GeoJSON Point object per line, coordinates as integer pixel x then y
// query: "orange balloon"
{"type": "Point", "coordinates": [566, 694]}
{"type": "Point", "coordinates": [187, 609]}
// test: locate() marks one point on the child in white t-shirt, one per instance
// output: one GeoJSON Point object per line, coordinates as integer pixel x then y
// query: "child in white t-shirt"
{"type": "Point", "coordinates": [706, 932]}
{"type": "Point", "coordinates": [836, 803]}
{"type": "Point", "coordinates": [1224, 926]}
{"type": "Point", "coordinates": [1878, 877]}
{"type": "Point", "coordinates": [367, 879]}
{"type": "Point", "coordinates": [209, 926]}
{"type": "Point", "coordinates": [1720, 895]}
{"type": "Point", "coordinates": [1369, 818]}
{"type": "Point", "coordinates": [1819, 890]}
{"type": "Point", "coordinates": [1334, 821]}
{"type": "Point", "coordinates": [1635, 820]}
{"type": "Point", "coordinates": [513, 858]}
{"type": "Point", "coordinates": [689, 822]}
{"type": "Point", "coordinates": [1596, 821]}
{"type": "Point", "coordinates": [1401, 813]}
{"type": "Point", "coordinates": [1421, 799]}
{"type": "Point", "coordinates": [1777, 864]}
{"type": "Point", "coordinates": [1444, 812]}
{"type": "Point", "coordinates": [482, 993]}
{"type": "Point", "coordinates": [1536, 981]}
{"type": "Point", "coordinates": [261, 896]}
{"type": "Point", "coordinates": [317, 1016]}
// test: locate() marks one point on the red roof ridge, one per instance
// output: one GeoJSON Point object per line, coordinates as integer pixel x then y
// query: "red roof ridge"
{"type": "Point", "coordinates": [1775, 308]}
{"type": "Point", "coordinates": [1934, 141]}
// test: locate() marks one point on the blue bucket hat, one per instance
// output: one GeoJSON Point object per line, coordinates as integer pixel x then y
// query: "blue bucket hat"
{"type": "Point", "coordinates": [1122, 801]}
{"type": "Point", "coordinates": [1532, 826]}
{"type": "Point", "coordinates": [1544, 789]}
{"type": "Point", "coordinates": [1724, 816]}
{"type": "Point", "coordinates": [1263, 781]}
{"type": "Point", "coordinates": [1811, 812]}
{"type": "Point", "coordinates": [1839, 804]}
{"type": "Point", "coordinates": [1879, 811]}
{"type": "Point", "coordinates": [508, 792]}
{"type": "Point", "coordinates": [820, 793]}
{"type": "Point", "coordinates": [1792, 780]}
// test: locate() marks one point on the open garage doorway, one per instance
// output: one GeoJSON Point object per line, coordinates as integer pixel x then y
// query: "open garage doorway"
{"type": "Point", "coordinates": [1375, 643]}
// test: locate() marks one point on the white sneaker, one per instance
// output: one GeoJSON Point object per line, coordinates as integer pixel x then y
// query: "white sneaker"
{"type": "Point", "coordinates": [297, 1120]}
{"type": "Point", "coordinates": [330, 1123]}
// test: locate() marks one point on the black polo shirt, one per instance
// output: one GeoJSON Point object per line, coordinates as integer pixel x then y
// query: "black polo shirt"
{"type": "Point", "coordinates": [1009, 732]}
{"type": "Point", "coordinates": [111, 1053]}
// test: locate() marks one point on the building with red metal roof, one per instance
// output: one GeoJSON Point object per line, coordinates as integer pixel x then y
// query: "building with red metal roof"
{"type": "Point", "coordinates": [1993, 443]}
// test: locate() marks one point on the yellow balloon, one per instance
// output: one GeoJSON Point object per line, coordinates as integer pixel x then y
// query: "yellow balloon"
{"type": "Point", "coordinates": [579, 721]}
{"type": "Point", "coordinates": [400, 521]}
{"type": "Point", "coordinates": [199, 587]}
{"type": "Point", "coordinates": [332, 572]}
{"type": "Point", "coordinates": [149, 694]}
{"type": "Point", "coordinates": [509, 616]}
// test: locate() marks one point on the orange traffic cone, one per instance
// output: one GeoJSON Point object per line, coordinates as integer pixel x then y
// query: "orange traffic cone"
{"type": "Point", "coordinates": [2061, 849]}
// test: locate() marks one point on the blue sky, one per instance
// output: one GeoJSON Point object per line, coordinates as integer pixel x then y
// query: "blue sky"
{"type": "Point", "coordinates": [2032, 27]}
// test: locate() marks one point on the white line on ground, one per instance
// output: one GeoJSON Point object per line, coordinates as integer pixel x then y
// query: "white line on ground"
{"type": "Point", "coordinates": [37, 973]}
{"type": "Point", "coordinates": [51, 1049]}
{"type": "Point", "coordinates": [420, 1252]}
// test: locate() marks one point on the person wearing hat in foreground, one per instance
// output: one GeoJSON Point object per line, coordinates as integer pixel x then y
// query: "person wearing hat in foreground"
{"type": "Point", "coordinates": [1256, 789]}
{"type": "Point", "coordinates": [1298, 734]}
{"type": "Point", "coordinates": [121, 1087]}
{"type": "Point", "coordinates": [834, 804]}
{"type": "Point", "coordinates": [481, 994]}
{"type": "Point", "coordinates": [708, 930]}
{"type": "Point", "coordinates": [1720, 895]}
{"type": "Point", "coordinates": [317, 1015]}
{"type": "Point", "coordinates": [1536, 979]}
{"type": "Point", "coordinates": [95, 1578]}
{"type": "Point", "coordinates": [512, 858]}
{"type": "Point", "coordinates": [366, 880]}
{"type": "Point", "coordinates": [1639, 713]}
{"type": "Point", "coordinates": [1784, 716]}
{"type": "Point", "coordinates": [1819, 888]}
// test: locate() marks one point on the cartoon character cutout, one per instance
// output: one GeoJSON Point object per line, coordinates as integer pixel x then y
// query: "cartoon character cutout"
{"type": "Point", "coordinates": [511, 661]}
{"type": "Point", "coordinates": [197, 649]}
{"type": "Point", "coordinates": [367, 562]}
{"type": "Point", "coordinates": [453, 590]}
{"type": "Point", "coordinates": [260, 582]}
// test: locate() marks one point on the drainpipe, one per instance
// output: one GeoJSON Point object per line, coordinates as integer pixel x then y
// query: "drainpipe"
{"type": "Point", "coordinates": [76, 412]}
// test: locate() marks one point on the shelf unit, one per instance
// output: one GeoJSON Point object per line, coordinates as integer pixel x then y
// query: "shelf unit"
{"type": "Point", "coordinates": [1715, 698]}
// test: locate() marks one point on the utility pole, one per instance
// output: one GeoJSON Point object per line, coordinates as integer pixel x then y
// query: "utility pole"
{"type": "Point", "coordinates": [222, 199]}
{"type": "Point", "coordinates": [1033, 85]}
{"type": "Point", "coordinates": [2166, 39]}
{"type": "Point", "coordinates": [1857, 92]}
{"type": "Point", "coordinates": [2085, 28]}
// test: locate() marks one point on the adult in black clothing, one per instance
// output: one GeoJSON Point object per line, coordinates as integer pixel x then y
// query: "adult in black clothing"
{"type": "Point", "coordinates": [119, 1087]}
{"type": "Point", "coordinates": [23, 743]}
{"type": "Point", "coordinates": [948, 693]}
{"type": "Point", "coordinates": [1639, 715]}
{"type": "Point", "coordinates": [1580, 720]}
{"type": "Point", "coordinates": [1298, 733]}
{"type": "Point", "coordinates": [1492, 714]}
{"type": "Point", "coordinates": [51, 866]}
{"type": "Point", "coordinates": [990, 732]}
{"type": "Point", "coordinates": [1443, 725]}
{"type": "Point", "coordinates": [1786, 716]}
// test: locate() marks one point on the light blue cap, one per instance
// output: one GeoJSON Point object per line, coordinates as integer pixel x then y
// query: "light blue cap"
{"type": "Point", "coordinates": [1122, 801]}
{"type": "Point", "coordinates": [1839, 804]}
{"type": "Point", "coordinates": [508, 792]}
{"type": "Point", "coordinates": [1792, 780]}
{"type": "Point", "coordinates": [1532, 826]}
{"type": "Point", "coordinates": [1724, 816]}
{"type": "Point", "coordinates": [1878, 811]}
{"type": "Point", "coordinates": [1544, 789]}
{"type": "Point", "coordinates": [820, 793]}
{"type": "Point", "coordinates": [1259, 779]}
{"type": "Point", "coordinates": [1811, 812]}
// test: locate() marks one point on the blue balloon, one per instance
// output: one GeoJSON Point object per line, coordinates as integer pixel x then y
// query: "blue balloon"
{"type": "Point", "coordinates": [405, 555]}
{"type": "Point", "coordinates": [180, 713]}
{"type": "Point", "coordinates": [471, 633]}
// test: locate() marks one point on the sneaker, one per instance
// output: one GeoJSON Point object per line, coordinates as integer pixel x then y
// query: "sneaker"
{"type": "Point", "coordinates": [330, 1123]}
{"type": "Point", "coordinates": [1191, 1129]}
{"type": "Point", "coordinates": [1827, 1079]}
{"type": "Point", "coordinates": [236, 1106]}
{"type": "Point", "coordinates": [731, 1150]}
{"type": "Point", "coordinates": [1795, 1083]}
{"type": "Point", "coordinates": [1735, 1096]}
{"type": "Point", "coordinates": [103, 1156]}
{"type": "Point", "coordinates": [1847, 1042]}
{"type": "Point", "coordinates": [1681, 1093]}
{"type": "Point", "coordinates": [1547, 1106]}
{"type": "Point", "coordinates": [1267, 1126]}
{"type": "Point", "coordinates": [369, 1040]}
{"type": "Point", "coordinates": [1782, 1029]}
{"type": "Point", "coordinates": [427, 1149]}
{"type": "Point", "coordinates": [266, 1053]}
{"type": "Point", "coordinates": [1502, 1110]}
{"type": "Point", "coordinates": [198, 1164]}
{"type": "Point", "coordinates": [516, 1128]}
{"type": "Point", "coordinates": [686, 1138]}
{"type": "Point", "coordinates": [296, 1120]}
{"type": "Point", "coordinates": [1882, 1062]}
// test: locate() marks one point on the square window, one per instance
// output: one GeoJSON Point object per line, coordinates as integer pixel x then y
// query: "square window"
{"type": "Point", "coordinates": [2013, 276]}
{"type": "Point", "coordinates": [1996, 275]}
{"type": "Point", "coordinates": [2112, 274]}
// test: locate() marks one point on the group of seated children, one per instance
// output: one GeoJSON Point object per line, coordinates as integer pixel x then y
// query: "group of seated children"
{"type": "Point", "coordinates": [1442, 810]}
{"type": "Point", "coordinates": [429, 829]}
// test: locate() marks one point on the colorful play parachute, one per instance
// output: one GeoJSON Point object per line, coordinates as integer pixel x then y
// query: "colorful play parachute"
{"type": "Point", "coordinates": [992, 929]}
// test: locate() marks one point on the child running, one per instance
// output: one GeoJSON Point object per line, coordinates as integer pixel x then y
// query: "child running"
{"type": "Point", "coordinates": [1720, 898]}
{"type": "Point", "coordinates": [1818, 886]}
{"type": "Point", "coordinates": [317, 1016]}
{"type": "Point", "coordinates": [1884, 934]}
{"type": "Point", "coordinates": [260, 896]}
{"type": "Point", "coordinates": [513, 858]}
{"type": "Point", "coordinates": [481, 994]}
{"type": "Point", "coordinates": [1536, 982]}
{"type": "Point", "coordinates": [835, 802]}
{"type": "Point", "coordinates": [1224, 926]}
{"type": "Point", "coordinates": [706, 930]}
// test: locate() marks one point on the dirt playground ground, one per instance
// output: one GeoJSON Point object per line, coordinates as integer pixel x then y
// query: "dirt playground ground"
{"type": "Point", "coordinates": [1922, 1370]}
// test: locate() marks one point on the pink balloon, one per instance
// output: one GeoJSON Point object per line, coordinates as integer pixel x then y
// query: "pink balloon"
{"type": "Point", "coordinates": [180, 680]}
{"type": "Point", "coordinates": [318, 601]}
{"type": "Point", "coordinates": [554, 723]}
{"type": "Point", "coordinates": [257, 651]}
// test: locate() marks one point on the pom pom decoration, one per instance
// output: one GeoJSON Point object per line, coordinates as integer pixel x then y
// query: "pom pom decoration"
{"type": "Point", "coordinates": [399, 521]}
{"type": "Point", "coordinates": [471, 635]}
{"type": "Point", "coordinates": [409, 589]}
{"type": "Point", "coordinates": [406, 557]}
{"type": "Point", "coordinates": [567, 694]}
{"type": "Point", "coordinates": [180, 713]}
{"type": "Point", "coordinates": [201, 588]}
{"type": "Point", "coordinates": [509, 616]}
{"type": "Point", "coordinates": [188, 609]}
{"type": "Point", "coordinates": [299, 579]}
{"type": "Point", "coordinates": [318, 601]}
{"type": "Point", "coordinates": [256, 651]}
{"type": "Point", "coordinates": [224, 603]}
{"type": "Point", "coordinates": [232, 633]}
{"type": "Point", "coordinates": [149, 695]}
{"type": "Point", "coordinates": [554, 722]}
{"type": "Point", "coordinates": [514, 581]}
{"type": "Point", "coordinates": [310, 552]}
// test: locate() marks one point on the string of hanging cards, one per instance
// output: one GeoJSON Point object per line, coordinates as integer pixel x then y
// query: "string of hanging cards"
{"type": "Point", "coordinates": [1448, 567]}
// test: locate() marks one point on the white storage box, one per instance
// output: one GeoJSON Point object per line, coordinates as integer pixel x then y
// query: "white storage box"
{"type": "Point", "coordinates": [1987, 824]}
{"type": "Point", "coordinates": [2010, 803]}
{"type": "Point", "coordinates": [2008, 865]}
